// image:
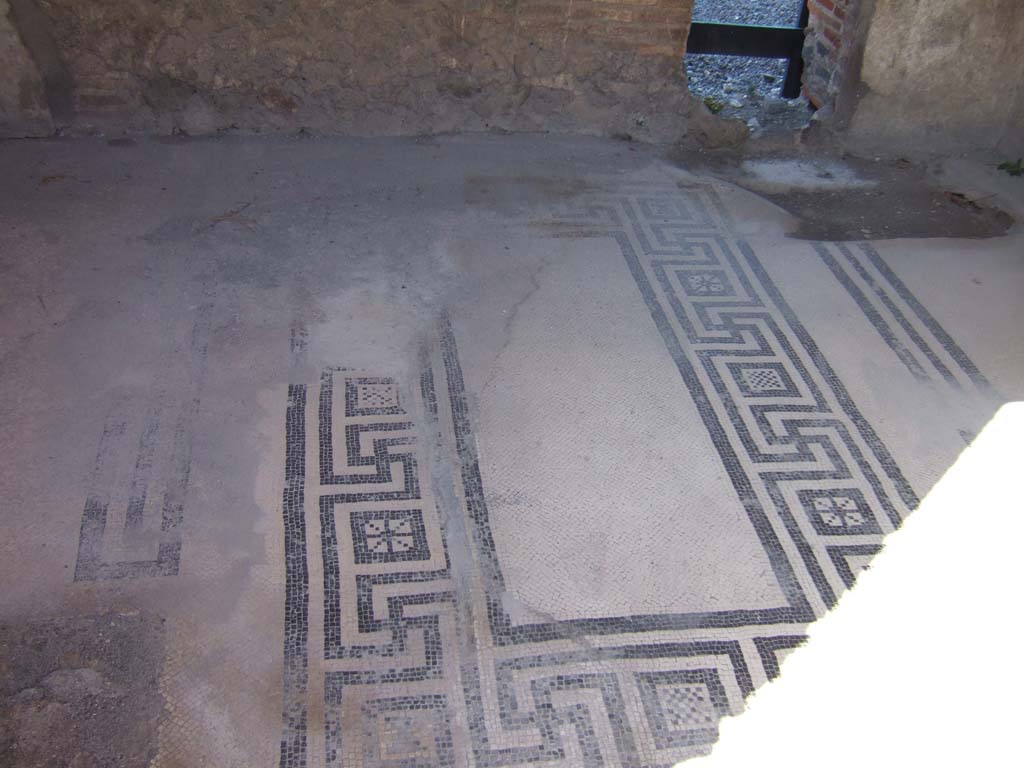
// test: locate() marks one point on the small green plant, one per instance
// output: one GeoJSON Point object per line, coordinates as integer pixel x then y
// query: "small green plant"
{"type": "Point", "coordinates": [714, 104]}
{"type": "Point", "coordinates": [1014, 169]}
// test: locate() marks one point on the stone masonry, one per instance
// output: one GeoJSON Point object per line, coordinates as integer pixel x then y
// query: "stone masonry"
{"type": "Point", "coordinates": [370, 67]}
{"type": "Point", "coordinates": [827, 47]}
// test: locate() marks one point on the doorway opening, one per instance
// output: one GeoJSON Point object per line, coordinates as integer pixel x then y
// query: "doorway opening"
{"type": "Point", "coordinates": [744, 60]}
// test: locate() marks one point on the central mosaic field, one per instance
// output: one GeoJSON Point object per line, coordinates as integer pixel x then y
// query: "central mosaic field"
{"type": "Point", "coordinates": [588, 545]}
{"type": "Point", "coordinates": [603, 487]}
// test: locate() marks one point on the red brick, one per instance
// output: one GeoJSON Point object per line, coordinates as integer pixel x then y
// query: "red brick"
{"type": "Point", "coordinates": [828, 20]}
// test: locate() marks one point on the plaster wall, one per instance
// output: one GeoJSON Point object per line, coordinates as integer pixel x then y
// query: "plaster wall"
{"type": "Point", "coordinates": [943, 74]}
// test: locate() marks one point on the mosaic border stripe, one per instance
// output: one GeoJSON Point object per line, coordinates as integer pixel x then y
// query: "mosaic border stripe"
{"type": "Point", "coordinates": [897, 315]}
{"type": "Point", "coordinates": [296, 603]}
{"type": "Point", "coordinates": [768, 648]}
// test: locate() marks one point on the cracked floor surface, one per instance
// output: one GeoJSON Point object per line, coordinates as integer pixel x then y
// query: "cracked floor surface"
{"type": "Point", "coordinates": [467, 451]}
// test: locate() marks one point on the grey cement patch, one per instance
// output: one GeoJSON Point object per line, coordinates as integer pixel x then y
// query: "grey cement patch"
{"type": "Point", "coordinates": [500, 450]}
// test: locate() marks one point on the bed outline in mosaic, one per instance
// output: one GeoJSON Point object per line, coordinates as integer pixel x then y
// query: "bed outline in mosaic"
{"type": "Point", "coordinates": [90, 562]}
{"type": "Point", "coordinates": [421, 659]}
{"type": "Point", "coordinates": [502, 628]}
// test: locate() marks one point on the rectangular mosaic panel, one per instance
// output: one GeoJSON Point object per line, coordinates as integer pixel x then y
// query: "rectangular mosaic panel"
{"type": "Point", "coordinates": [404, 644]}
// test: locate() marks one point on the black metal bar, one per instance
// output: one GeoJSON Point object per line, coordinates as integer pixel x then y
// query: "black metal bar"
{"type": "Point", "coordinates": [755, 41]}
{"type": "Point", "coordinates": [795, 70]}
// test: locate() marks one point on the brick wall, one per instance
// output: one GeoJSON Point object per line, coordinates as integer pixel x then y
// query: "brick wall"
{"type": "Point", "coordinates": [830, 29]}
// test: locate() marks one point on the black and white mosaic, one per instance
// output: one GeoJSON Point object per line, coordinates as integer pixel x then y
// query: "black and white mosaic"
{"type": "Point", "coordinates": [399, 633]}
{"type": "Point", "coordinates": [684, 706]}
{"type": "Point", "coordinates": [296, 604]}
{"type": "Point", "coordinates": [163, 462]}
{"type": "Point", "coordinates": [912, 333]}
{"type": "Point", "coordinates": [781, 419]}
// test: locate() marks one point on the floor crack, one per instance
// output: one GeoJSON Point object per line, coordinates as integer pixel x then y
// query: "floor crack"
{"type": "Point", "coordinates": [512, 313]}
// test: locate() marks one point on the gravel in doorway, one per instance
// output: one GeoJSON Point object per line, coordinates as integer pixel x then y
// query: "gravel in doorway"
{"type": "Point", "coordinates": [747, 88]}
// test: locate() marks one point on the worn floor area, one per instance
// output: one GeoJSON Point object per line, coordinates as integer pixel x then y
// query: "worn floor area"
{"type": "Point", "coordinates": [464, 451]}
{"type": "Point", "coordinates": [843, 197]}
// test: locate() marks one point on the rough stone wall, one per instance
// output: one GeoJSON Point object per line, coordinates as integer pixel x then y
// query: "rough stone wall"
{"type": "Point", "coordinates": [23, 107]}
{"type": "Point", "coordinates": [375, 66]}
{"type": "Point", "coordinates": [828, 45]}
{"type": "Point", "coordinates": [942, 74]}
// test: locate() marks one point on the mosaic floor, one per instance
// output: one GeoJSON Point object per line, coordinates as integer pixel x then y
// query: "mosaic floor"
{"type": "Point", "coordinates": [561, 632]}
{"type": "Point", "coordinates": [570, 512]}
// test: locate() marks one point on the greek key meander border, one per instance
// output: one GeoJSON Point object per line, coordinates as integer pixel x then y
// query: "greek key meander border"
{"type": "Point", "coordinates": [659, 255]}
{"type": "Point", "coordinates": [294, 744]}
{"type": "Point", "coordinates": [688, 238]}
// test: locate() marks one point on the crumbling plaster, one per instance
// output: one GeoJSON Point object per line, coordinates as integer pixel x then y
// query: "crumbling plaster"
{"type": "Point", "coordinates": [375, 66]}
